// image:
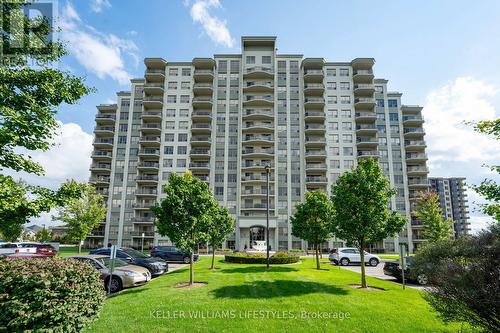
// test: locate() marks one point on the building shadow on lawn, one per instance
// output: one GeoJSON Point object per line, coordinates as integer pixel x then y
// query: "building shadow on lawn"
{"type": "Point", "coordinates": [277, 288]}
{"type": "Point", "coordinates": [259, 269]}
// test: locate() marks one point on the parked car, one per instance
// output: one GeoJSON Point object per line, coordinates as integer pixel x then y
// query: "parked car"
{"type": "Point", "coordinates": [10, 248]}
{"type": "Point", "coordinates": [172, 253]}
{"type": "Point", "coordinates": [347, 255]}
{"type": "Point", "coordinates": [393, 268]}
{"type": "Point", "coordinates": [41, 248]}
{"type": "Point", "coordinates": [156, 266]}
{"type": "Point", "coordinates": [124, 274]}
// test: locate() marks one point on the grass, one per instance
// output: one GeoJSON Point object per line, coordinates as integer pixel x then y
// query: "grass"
{"type": "Point", "coordinates": [66, 251]}
{"type": "Point", "coordinates": [285, 292]}
{"type": "Point", "coordinates": [389, 256]}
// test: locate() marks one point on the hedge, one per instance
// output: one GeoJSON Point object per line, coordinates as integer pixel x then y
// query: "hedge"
{"type": "Point", "coordinates": [259, 258]}
{"type": "Point", "coordinates": [48, 295]}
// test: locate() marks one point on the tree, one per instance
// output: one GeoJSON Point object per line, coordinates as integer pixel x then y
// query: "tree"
{"type": "Point", "coordinates": [30, 95]}
{"type": "Point", "coordinates": [221, 224]}
{"type": "Point", "coordinates": [429, 211]}
{"type": "Point", "coordinates": [81, 215]}
{"type": "Point", "coordinates": [313, 220]}
{"type": "Point", "coordinates": [43, 235]}
{"type": "Point", "coordinates": [465, 279]}
{"type": "Point", "coordinates": [184, 215]}
{"type": "Point", "coordinates": [488, 188]}
{"type": "Point", "coordinates": [361, 199]}
{"type": "Point", "coordinates": [19, 202]}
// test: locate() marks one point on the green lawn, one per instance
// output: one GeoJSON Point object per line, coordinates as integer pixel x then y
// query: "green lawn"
{"type": "Point", "coordinates": [389, 256]}
{"type": "Point", "coordinates": [66, 251]}
{"type": "Point", "coordinates": [285, 292]}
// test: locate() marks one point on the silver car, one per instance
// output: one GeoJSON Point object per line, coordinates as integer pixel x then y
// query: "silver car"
{"type": "Point", "coordinates": [347, 255]}
{"type": "Point", "coordinates": [124, 274]}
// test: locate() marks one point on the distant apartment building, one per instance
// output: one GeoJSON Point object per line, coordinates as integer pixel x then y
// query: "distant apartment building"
{"type": "Point", "coordinates": [453, 199]}
{"type": "Point", "coordinates": [226, 118]}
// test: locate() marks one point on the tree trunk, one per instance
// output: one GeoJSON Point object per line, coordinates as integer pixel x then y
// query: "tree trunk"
{"type": "Point", "coordinates": [213, 258]}
{"type": "Point", "coordinates": [362, 254]}
{"type": "Point", "coordinates": [79, 247]}
{"type": "Point", "coordinates": [191, 268]}
{"type": "Point", "coordinates": [317, 257]}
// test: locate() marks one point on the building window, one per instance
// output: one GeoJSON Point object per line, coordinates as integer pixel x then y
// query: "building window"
{"type": "Point", "coordinates": [173, 71]}
{"type": "Point", "coordinates": [171, 99]}
{"type": "Point", "coordinates": [250, 60]}
{"type": "Point", "coordinates": [182, 150]}
{"type": "Point", "coordinates": [219, 190]}
{"type": "Point", "coordinates": [331, 72]}
{"type": "Point", "coordinates": [380, 102]}
{"type": "Point", "coordinates": [348, 164]}
{"type": "Point", "coordinates": [392, 103]}
{"type": "Point", "coordinates": [172, 85]}
{"type": "Point", "coordinates": [379, 89]}
{"type": "Point", "coordinates": [345, 86]}
{"type": "Point", "coordinates": [331, 85]}
{"type": "Point", "coordinates": [167, 163]}
{"type": "Point", "coordinates": [186, 72]}
{"type": "Point", "coordinates": [181, 163]}
{"type": "Point", "coordinates": [185, 85]}
{"type": "Point", "coordinates": [266, 59]}
{"type": "Point", "coordinates": [184, 98]}
{"type": "Point", "coordinates": [182, 137]}
{"type": "Point", "coordinates": [348, 151]}
{"type": "Point", "coordinates": [344, 72]}
{"type": "Point", "coordinates": [169, 150]}
{"type": "Point", "coordinates": [347, 126]}
{"type": "Point", "coordinates": [345, 99]}
{"type": "Point", "coordinates": [346, 113]}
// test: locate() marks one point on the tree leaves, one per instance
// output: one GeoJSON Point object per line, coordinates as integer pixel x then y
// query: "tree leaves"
{"type": "Point", "coordinates": [429, 211]}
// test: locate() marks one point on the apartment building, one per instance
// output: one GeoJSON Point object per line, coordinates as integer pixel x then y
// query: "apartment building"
{"type": "Point", "coordinates": [228, 117]}
{"type": "Point", "coordinates": [453, 199]}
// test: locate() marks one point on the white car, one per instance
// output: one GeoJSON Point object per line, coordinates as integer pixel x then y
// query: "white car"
{"type": "Point", "coordinates": [10, 248]}
{"type": "Point", "coordinates": [347, 255]}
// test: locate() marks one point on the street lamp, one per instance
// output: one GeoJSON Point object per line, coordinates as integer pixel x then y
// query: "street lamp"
{"type": "Point", "coordinates": [268, 171]}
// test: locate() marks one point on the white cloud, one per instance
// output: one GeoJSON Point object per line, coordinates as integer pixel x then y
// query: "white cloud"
{"type": "Point", "coordinates": [98, 5]}
{"type": "Point", "coordinates": [479, 223]}
{"type": "Point", "coordinates": [99, 53]}
{"type": "Point", "coordinates": [214, 27]}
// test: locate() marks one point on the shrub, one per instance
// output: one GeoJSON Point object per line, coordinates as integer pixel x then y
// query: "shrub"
{"type": "Point", "coordinates": [465, 278]}
{"type": "Point", "coordinates": [50, 294]}
{"type": "Point", "coordinates": [260, 258]}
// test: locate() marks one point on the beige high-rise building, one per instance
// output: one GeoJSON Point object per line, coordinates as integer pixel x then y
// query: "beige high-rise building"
{"type": "Point", "coordinates": [225, 118]}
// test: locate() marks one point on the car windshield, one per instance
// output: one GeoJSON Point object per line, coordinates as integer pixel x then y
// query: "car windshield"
{"type": "Point", "coordinates": [107, 262]}
{"type": "Point", "coordinates": [135, 253]}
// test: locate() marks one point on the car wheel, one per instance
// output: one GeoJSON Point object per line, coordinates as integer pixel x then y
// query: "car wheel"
{"type": "Point", "coordinates": [373, 262]}
{"type": "Point", "coordinates": [422, 279]}
{"type": "Point", "coordinates": [116, 285]}
{"type": "Point", "coordinates": [344, 262]}
{"type": "Point", "coordinates": [186, 260]}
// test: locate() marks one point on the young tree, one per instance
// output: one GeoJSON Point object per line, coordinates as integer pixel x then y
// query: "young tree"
{"type": "Point", "coordinates": [313, 220]}
{"type": "Point", "coordinates": [429, 211]}
{"type": "Point", "coordinates": [43, 235]}
{"type": "Point", "coordinates": [184, 215]}
{"type": "Point", "coordinates": [360, 199]}
{"type": "Point", "coordinates": [82, 215]}
{"type": "Point", "coordinates": [221, 224]}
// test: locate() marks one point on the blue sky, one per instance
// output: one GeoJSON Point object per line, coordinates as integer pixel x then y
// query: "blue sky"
{"type": "Point", "coordinates": [444, 55]}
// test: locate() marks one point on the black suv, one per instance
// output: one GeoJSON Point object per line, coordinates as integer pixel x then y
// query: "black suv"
{"type": "Point", "coordinates": [172, 253]}
{"type": "Point", "coordinates": [156, 266]}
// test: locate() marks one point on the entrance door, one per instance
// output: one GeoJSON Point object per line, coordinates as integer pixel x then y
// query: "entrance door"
{"type": "Point", "coordinates": [256, 234]}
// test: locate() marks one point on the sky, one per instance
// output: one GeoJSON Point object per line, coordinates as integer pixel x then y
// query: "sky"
{"type": "Point", "coordinates": [443, 55]}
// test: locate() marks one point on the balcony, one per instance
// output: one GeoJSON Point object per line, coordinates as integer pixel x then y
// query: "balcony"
{"type": "Point", "coordinates": [151, 115]}
{"type": "Point", "coordinates": [315, 141]}
{"type": "Point", "coordinates": [154, 74]}
{"type": "Point", "coordinates": [144, 205]}
{"type": "Point", "coordinates": [258, 139]}
{"type": "Point", "coordinates": [147, 234]}
{"type": "Point", "coordinates": [258, 86]}
{"type": "Point", "coordinates": [366, 117]}
{"type": "Point", "coordinates": [255, 114]}
{"type": "Point", "coordinates": [105, 118]}
{"type": "Point", "coordinates": [100, 180]}
{"type": "Point", "coordinates": [415, 145]}
{"type": "Point", "coordinates": [315, 154]}
{"type": "Point", "coordinates": [205, 166]}
{"type": "Point", "coordinates": [417, 170]}
{"type": "Point", "coordinates": [413, 120]}
{"type": "Point", "coordinates": [202, 102]}
{"type": "Point", "coordinates": [257, 206]}
{"type": "Point", "coordinates": [146, 192]}
{"type": "Point", "coordinates": [364, 89]}
{"type": "Point", "coordinates": [313, 75]}
{"type": "Point", "coordinates": [201, 115]}
{"type": "Point", "coordinates": [151, 128]}
{"type": "Point", "coordinates": [256, 166]}
{"type": "Point", "coordinates": [314, 116]}
{"type": "Point", "coordinates": [316, 167]}
{"type": "Point", "coordinates": [363, 76]}
{"type": "Point", "coordinates": [368, 154]}
{"type": "Point", "coordinates": [257, 178]}
{"type": "Point", "coordinates": [103, 191]}
{"type": "Point", "coordinates": [102, 155]}
{"type": "Point", "coordinates": [148, 152]}
{"type": "Point", "coordinates": [154, 88]}
{"type": "Point", "coordinates": [366, 130]}
{"type": "Point", "coordinates": [152, 102]}
{"type": "Point", "coordinates": [364, 103]}
{"type": "Point", "coordinates": [314, 128]}
{"type": "Point", "coordinates": [201, 140]}
{"type": "Point", "coordinates": [204, 178]}
{"type": "Point", "coordinates": [420, 183]}
{"type": "Point", "coordinates": [257, 152]}
{"type": "Point", "coordinates": [201, 128]}
{"type": "Point", "coordinates": [413, 132]}
{"type": "Point", "coordinates": [143, 219]}
{"type": "Point", "coordinates": [203, 75]}
{"type": "Point", "coordinates": [314, 102]}
{"type": "Point", "coordinates": [366, 142]}
{"type": "Point", "coordinates": [100, 167]}
{"type": "Point", "coordinates": [200, 152]}
{"type": "Point", "coordinates": [256, 192]}
{"type": "Point", "coordinates": [148, 166]}
{"type": "Point", "coordinates": [258, 72]}
{"type": "Point", "coordinates": [103, 143]}
{"type": "Point", "coordinates": [316, 179]}
{"type": "Point", "coordinates": [150, 141]}
{"type": "Point", "coordinates": [258, 100]}
{"type": "Point", "coordinates": [416, 157]}
{"type": "Point", "coordinates": [104, 130]}
{"type": "Point", "coordinates": [147, 179]}
{"type": "Point", "coordinates": [258, 127]}
{"type": "Point", "coordinates": [203, 88]}
{"type": "Point", "coordinates": [314, 89]}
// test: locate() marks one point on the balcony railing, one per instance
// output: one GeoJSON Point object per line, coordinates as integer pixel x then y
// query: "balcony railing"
{"type": "Point", "coordinates": [257, 191]}
{"type": "Point", "coordinates": [203, 85]}
{"type": "Point", "coordinates": [148, 177]}
{"type": "Point", "coordinates": [363, 72]}
{"type": "Point", "coordinates": [148, 165]}
{"type": "Point", "coordinates": [258, 137]}
{"type": "Point", "coordinates": [105, 116]}
{"type": "Point", "coordinates": [257, 165]}
{"type": "Point", "coordinates": [315, 139]}
{"type": "Point", "coordinates": [313, 72]}
{"type": "Point", "coordinates": [316, 166]}
{"type": "Point", "coordinates": [104, 128]}
{"type": "Point", "coordinates": [268, 98]}
{"type": "Point", "coordinates": [405, 118]}
{"type": "Point", "coordinates": [361, 139]}
{"type": "Point", "coordinates": [268, 84]}
{"type": "Point", "coordinates": [315, 126]}
{"type": "Point", "coordinates": [102, 153]}
{"type": "Point", "coordinates": [153, 98]}
{"type": "Point", "coordinates": [364, 100]}
{"type": "Point", "coordinates": [265, 125]}
{"type": "Point", "coordinates": [150, 138]}
{"type": "Point", "coordinates": [315, 152]}
{"type": "Point", "coordinates": [314, 114]}
{"type": "Point", "coordinates": [257, 177]}
{"type": "Point", "coordinates": [413, 130]}
{"type": "Point", "coordinates": [200, 152]}
{"type": "Point", "coordinates": [265, 112]}
{"type": "Point", "coordinates": [368, 153]}
{"type": "Point", "coordinates": [155, 71]}
{"type": "Point", "coordinates": [199, 165]}
{"type": "Point", "coordinates": [258, 151]}
{"type": "Point", "coordinates": [257, 206]}
{"type": "Point", "coordinates": [364, 86]}
{"type": "Point", "coordinates": [201, 126]}
{"type": "Point", "coordinates": [100, 166]}
{"type": "Point", "coordinates": [104, 141]}
{"type": "Point", "coordinates": [414, 143]}
{"type": "Point", "coordinates": [203, 99]}
{"type": "Point", "coordinates": [314, 86]}
{"type": "Point", "coordinates": [147, 191]}
{"type": "Point", "coordinates": [259, 69]}
{"type": "Point", "coordinates": [152, 113]}
{"type": "Point", "coordinates": [151, 126]}
{"type": "Point", "coordinates": [314, 100]}
{"type": "Point", "coordinates": [203, 72]}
